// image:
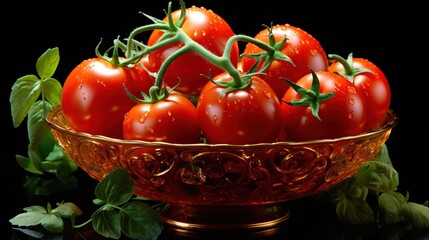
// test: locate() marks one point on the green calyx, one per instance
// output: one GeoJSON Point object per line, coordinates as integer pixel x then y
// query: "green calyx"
{"type": "Point", "coordinates": [270, 54]}
{"type": "Point", "coordinates": [310, 97]}
{"type": "Point", "coordinates": [349, 71]}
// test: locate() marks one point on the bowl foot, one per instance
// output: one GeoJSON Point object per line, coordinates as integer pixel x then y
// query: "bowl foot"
{"type": "Point", "coordinates": [257, 220]}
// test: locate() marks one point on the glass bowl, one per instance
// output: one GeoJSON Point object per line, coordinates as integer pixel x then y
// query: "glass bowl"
{"type": "Point", "coordinates": [222, 186]}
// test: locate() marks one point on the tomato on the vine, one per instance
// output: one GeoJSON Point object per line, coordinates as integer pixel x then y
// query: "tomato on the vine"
{"type": "Point", "coordinates": [94, 100]}
{"type": "Point", "coordinates": [173, 119]}
{"type": "Point", "coordinates": [370, 81]}
{"type": "Point", "coordinates": [327, 105]}
{"type": "Point", "coordinates": [207, 29]}
{"type": "Point", "coordinates": [242, 116]}
{"type": "Point", "coordinates": [302, 48]}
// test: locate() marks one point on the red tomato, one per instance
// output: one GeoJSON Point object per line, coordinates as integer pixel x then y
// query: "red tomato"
{"type": "Point", "coordinates": [344, 114]}
{"type": "Point", "coordinates": [245, 116]}
{"type": "Point", "coordinates": [145, 64]}
{"type": "Point", "coordinates": [302, 48]}
{"type": "Point", "coordinates": [94, 100]}
{"type": "Point", "coordinates": [173, 120]}
{"type": "Point", "coordinates": [373, 85]}
{"type": "Point", "coordinates": [207, 29]}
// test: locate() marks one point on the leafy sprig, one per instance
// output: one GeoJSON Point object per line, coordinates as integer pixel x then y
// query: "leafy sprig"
{"type": "Point", "coordinates": [32, 97]}
{"type": "Point", "coordinates": [118, 214]}
{"type": "Point", "coordinates": [376, 179]}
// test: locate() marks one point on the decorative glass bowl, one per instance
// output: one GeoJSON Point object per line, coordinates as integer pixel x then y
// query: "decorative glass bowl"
{"type": "Point", "coordinates": [222, 186]}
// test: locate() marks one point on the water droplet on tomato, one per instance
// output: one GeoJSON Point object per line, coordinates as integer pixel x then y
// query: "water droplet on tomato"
{"type": "Point", "coordinates": [101, 82]}
{"type": "Point", "coordinates": [142, 118]}
{"type": "Point", "coordinates": [350, 115]}
{"type": "Point", "coordinates": [351, 89]}
{"type": "Point", "coordinates": [268, 94]}
{"type": "Point", "coordinates": [296, 50]}
{"type": "Point", "coordinates": [314, 52]}
{"type": "Point", "coordinates": [215, 118]}
{"type": "Point", "coordinates": [352, 101]}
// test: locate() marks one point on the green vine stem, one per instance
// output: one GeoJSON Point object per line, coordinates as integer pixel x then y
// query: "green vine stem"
{"type": "Point", "coordinates": [134, 51]}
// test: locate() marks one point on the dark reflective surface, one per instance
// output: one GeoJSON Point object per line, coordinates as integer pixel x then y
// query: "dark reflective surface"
{"type": "Point", "coordinates": [308, 219]}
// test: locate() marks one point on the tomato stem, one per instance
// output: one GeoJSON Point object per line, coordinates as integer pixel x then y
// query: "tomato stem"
{"type": "Point", "coordinates": [349, 70]}
{"type": "Point", "coordinates": [309, 97]}
{"type": "Point", "coordinates": [173, 33]}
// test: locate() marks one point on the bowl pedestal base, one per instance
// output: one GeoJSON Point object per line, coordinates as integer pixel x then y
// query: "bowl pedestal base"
{"type": "Point", "coordinates": [254, 220]}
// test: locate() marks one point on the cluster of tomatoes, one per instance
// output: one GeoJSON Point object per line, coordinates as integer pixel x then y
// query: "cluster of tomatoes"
{"type": "Point", "coordinates": [304, 96]}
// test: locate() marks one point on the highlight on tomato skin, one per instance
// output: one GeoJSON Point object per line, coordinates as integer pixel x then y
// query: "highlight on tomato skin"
{"type": "Point", "coordinates": [302, 48]}
{"type": "Point", "coordinates": [173, 119]}
{"type": "Point", "coordinates": [344, 114]}
{"type": "Point", "coordinates": [93, 98]}
{"type": "Point", "coordinates": [209, 30]}
{"type": "Point", "coordinates": [243, 116]}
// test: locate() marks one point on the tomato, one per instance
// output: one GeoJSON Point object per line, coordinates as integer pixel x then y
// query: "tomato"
{"type": "Point", "coordinates": [373, 85]}
{"type": "Point", "coordinates": [243, 116]}
{"type": "Point", "coordinates": [173, 119]}
{"type": "Point", "coordinates": [207, 29]}
{"type": "Point", "coordinates": [343, 114]}
{"type": "Point", "coordinates": [94, 100]}
{"type": "Point", "coordinates": [302, 48]}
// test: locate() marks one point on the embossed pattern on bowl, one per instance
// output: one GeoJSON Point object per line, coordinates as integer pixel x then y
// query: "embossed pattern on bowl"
{"type": "Point", "coordinates": [222, 174]}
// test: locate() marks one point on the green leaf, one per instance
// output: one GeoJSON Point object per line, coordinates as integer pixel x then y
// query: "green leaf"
{"type": "Point", "coordinates": [52, 90]}
{"type": "Point", "coordinates": [67, 210]}
{"type": "Point", "coordinates": [25, 91]}
{"type": "Point", "coordinates": [140, 221]}
{"type": "Point", "coordinates": [98, 201]}
{"type": "Point", "coordinates": [27, 219]}
{"type": "Point", "coordinates": [38, 131]}
{"type": "Point", "coordinates": [53, 223]}
{"type": "Point", "coordinates": [47, 63]}
{"type": "Point", "coordinates": [65, 169]}
{"type": "Point", "coordinates": [354, 211]}
{"type": "Point", "coordinates": [32, 217]}
{"type": "Point", "coordinates": [36, 208]}
{"type": "Point", "coordinates": [378, 176]}
{"type": "Point", "coordinates": [355, 190]}
{"type": "Point", "coordinates": [383, 155]}
{"type": "Point", "coordinates": [390, 205]}
{"type": "Point", "coordinates": [418, 214]}
{"type": "Point", "coordinates": [106, 222]}
{"type": "Point", "coordinates": [57, 153]}
{"type": "Point", "coordinates": [116, 188]}
{"type": "Point", "coordinates": [29, 165]}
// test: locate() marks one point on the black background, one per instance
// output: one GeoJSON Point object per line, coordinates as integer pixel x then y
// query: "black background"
{"type": "Point", "coordinates": [384, 37]}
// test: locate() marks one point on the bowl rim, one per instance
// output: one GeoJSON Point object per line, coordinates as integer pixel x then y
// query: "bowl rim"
{"type": "Point", "coordinates": [390, 121]}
